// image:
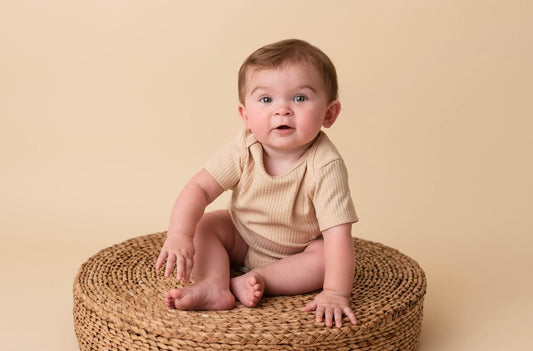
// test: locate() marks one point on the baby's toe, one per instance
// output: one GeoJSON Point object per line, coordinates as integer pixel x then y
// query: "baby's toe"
{"type": "Point", "coordinates": [175, 293]}
{"type": "Point", "coordinates": [252, 280]}
{"type": "Point", "coordinates": [169, 302]}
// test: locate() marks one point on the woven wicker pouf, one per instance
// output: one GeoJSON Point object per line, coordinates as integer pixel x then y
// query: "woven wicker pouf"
{"type": "Point", "coordinates": [119, 305]}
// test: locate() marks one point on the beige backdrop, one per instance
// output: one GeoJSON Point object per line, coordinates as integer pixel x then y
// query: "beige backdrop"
{"type": "Point", "coordinates": [107, 107]}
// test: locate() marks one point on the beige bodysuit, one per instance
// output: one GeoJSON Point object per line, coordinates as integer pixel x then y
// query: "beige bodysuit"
{"type": "Point", "coordinates": [278, 216]}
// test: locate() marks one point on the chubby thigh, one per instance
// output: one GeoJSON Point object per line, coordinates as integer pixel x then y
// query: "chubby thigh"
{"type": "Point", "coordinates": [219, 223]}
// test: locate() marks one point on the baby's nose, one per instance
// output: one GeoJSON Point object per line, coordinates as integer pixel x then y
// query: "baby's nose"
{"type": "Point", "coordinates": [283, 109]}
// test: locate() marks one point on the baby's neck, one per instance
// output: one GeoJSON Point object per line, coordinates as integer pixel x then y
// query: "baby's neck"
{"type": "Point", "coordinates": [278, 163]}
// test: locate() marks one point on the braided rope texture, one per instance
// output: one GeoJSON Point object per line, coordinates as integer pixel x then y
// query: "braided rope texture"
{"type": "Point", "coordinates": [119, 305]}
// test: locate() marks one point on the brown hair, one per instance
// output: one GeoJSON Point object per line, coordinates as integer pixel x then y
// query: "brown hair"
{"type": "Point", "coordinates": [293, 51]}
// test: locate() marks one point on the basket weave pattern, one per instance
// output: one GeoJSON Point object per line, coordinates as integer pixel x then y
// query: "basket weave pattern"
{"type": "Point", "coordinates": [118, 305]}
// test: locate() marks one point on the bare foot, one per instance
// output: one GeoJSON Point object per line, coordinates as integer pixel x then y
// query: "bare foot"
{"type": "Point", "coordinates": [248, 288]}
{"type": "Point", "coordinates": [200, 296]}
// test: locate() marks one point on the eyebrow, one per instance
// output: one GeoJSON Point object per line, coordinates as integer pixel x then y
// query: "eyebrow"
{"type": "Point", "coordinates": [297, 88]}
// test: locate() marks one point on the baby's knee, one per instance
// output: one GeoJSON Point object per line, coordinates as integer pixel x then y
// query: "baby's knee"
{"type": "Point", "coordinates": [207, 225]}
{"type": "Point", "coordinates": [203, 225]}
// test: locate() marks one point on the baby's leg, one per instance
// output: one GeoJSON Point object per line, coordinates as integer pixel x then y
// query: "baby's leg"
{"type": "Point", "coordinates": [296, 274]}
{"type": "Point", "coordinates": [215, 242]}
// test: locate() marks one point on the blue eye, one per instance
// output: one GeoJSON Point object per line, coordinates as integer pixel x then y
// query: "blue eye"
{"type": "Point", "coordinates": [300, 98]}
{"type": "Point", "coordinates": [266, 99]}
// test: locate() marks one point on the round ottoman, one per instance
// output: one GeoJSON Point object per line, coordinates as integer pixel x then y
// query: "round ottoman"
{"type": "Point", "coordinates": [119, 305]}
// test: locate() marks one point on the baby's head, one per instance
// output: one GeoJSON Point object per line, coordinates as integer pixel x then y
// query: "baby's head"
{"type": "Point", "coordinates": [290, 51]}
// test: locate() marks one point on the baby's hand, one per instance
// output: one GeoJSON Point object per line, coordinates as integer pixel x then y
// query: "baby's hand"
{"type": "Point", "coordinates": [330, 305]}
{"type": "Point", "coordinates": [179, 251]}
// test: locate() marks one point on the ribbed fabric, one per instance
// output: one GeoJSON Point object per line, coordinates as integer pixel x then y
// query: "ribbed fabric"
{"type": "Point", "coordinates": [279, 216]}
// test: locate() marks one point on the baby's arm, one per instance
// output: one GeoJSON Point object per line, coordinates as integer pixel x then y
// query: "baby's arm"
{"type": "Point", "coordinates": [189, 207]}
{"type": "Point", "coordinates": [334, 300]}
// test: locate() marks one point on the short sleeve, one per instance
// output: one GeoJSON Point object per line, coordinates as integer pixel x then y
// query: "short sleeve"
{"type": "Point", "coordinates": [226, 165]}
{"type": "Point", "coordinates": [332, 199]}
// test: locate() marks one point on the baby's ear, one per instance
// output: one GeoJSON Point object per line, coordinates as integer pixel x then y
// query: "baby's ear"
{"type": "Point", "coordinates": [242, 113]}
{"type": "Point", "coordinates": [332, 113]}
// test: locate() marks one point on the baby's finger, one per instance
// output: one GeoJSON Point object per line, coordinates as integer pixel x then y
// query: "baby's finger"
{"type": "Point", "coordinates": [171, 260]}
{"type": "Point", "coordinates": [338, 317]}
{"type": "Point", "coordinates": [319, 313]}
{"type": "Point", "coordinates": [180, 267]}
{"type": "Point", "coordinates": [188, 270]}
{"type": "Point", "coordinates": [329, 317]}
{"type": "Point", "coordinates": [162, 257]}
{"type": "Point", "coordinates": [311, 306]}
{"type": "Point", "coordinates": [348, 312]}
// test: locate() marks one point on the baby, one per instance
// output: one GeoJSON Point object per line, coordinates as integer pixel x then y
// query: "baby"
{"type": "Point", "coordinates": [290, 217]}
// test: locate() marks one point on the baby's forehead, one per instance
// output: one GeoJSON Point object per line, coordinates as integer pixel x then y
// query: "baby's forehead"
{"type": "Point", "coordinates": [297, 72]}
{"type": "Point", "coordinates": [286, 65]}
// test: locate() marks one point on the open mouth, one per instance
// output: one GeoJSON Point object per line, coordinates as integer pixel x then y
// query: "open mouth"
{"type": "Point", "coordinates": [283, 127]}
